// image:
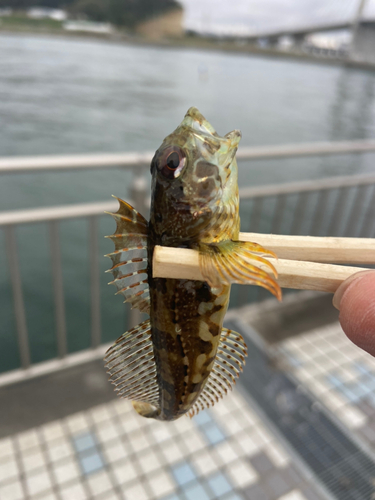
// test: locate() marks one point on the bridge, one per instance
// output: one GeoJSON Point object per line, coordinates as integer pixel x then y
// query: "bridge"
{"type": "Point", "coordinates": [300, 33]}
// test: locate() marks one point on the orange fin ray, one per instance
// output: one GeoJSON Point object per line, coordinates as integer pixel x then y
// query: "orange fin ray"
{"type": "Point", "coordinates": [230, 262]}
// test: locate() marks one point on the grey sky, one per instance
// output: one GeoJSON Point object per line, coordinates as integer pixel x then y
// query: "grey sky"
{"type": "Point", "coordinates": [246, 16]}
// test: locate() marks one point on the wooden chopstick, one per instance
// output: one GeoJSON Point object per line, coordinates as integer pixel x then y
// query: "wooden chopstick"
{"type": "Point", "coordinates": [182, 263]}
{"type": "Point", "coordinates": [317, 249]}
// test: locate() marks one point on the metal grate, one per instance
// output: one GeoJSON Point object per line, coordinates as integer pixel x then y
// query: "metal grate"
{"type": "Point", "coordinates": [345, 470]}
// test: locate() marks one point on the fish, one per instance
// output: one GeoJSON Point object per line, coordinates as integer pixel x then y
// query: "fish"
{"type": "Point", "coordinates": [182, 360]}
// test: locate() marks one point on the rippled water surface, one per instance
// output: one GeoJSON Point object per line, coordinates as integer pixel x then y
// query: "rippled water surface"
{"type": "Point", "coordinates": [63, 96]}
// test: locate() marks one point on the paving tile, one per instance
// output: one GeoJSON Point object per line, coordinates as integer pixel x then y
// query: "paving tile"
{"type": "Point", "coordinates": [28, 439]}
{"type": "Point", "coordinates": [83, 442]}
{"type": "Point", "coordinates": [213, 433]}
{"type": "Point", "coordinates": [183, 473]}
{"type": "Point", "coordinates": [31, 461]}
{"type": "Point", "coordinates": [262, 463]}
{"type": "Point", "coordinates": [249, 446]}
{"type": "Point", "coordinates": [66, 472]}
{"type": "Point", "coordinates": [226, 452]}
{"type": "Point", "coordinates": [242, 474]}
{"type": "Point", "coordinates": [124, 471]}
{"type": "Point", "coordinates": [161, 483]}
{"type": "Point", "coordinates": [38, 482]}
{"type": "Point", "coordinates": [52, 431]}
{"type": "Point", "coordinates": [8, 469]}
{"type": "Point", "coordinates": [49, 495]}
{"type": "Point", "coordinates": [74, 492]}
{"type": "Point", "coordinates": [276, 484]}
{"type": "Point", "coordinates": [91, 462]}
{"type": "Point", "coordinates": [232, 496]}
{"type": "Point", "coordinates": [293, 495]}
{"type": "Point", "coordinates": [6, 448]}
{"type": "Point", "coordinates": [277, 455]}
{"type": "Point", "coordinates": [99, 482]}
{"type": "Point", "coordinates": [12, 491]}
{"type": "Point", "coordinates": [106, 431]}
{"type": "Point", "coordinates": [139, 442]}
{"type": "Point", "coordinates": [203, 463]}
{"type": "Point", "coordinates": [137, 492]}
{"type": "Point", "coordinates": [256, 492]}
{"type": "Point", "coordinates": [59, 449]}
{"type": "Point", "coordinates": [115, 451]}
{"type": "Point", "coordinates": [196, 492]}
{"type": "Point", "coordinates": [171, 452]}
{"type": "Point", "coordinates": [219, 484]}
{"type": "Point", "coordinates": [203, 417]}
{"type": "Point", "coordinates": [77, 423]}
{"type": "Point", "coordinates": [100, 413]}
{"type": "Point", "coordinates": [195, 443]}
{"type": "Point", "coordinates": [110, 496]}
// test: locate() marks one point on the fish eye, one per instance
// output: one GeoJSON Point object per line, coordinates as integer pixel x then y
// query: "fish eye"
{"type": "Point", "coordinates": [172, 162]}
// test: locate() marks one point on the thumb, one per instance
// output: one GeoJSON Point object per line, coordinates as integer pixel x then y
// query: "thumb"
{"type": "Point", "coordinates": [355, 298]}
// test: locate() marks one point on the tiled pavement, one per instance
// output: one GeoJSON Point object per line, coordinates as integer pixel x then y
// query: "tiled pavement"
{"type": "Point", "coordinates": [109, 453]}
{"type": "Point", "coordinates": [339, 375]}
{"type": "Point", "coordinates": [228, 452]}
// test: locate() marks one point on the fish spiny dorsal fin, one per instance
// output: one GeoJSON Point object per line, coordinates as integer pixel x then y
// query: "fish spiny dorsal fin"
{"type": "Point", "coordinates": [131, 365]}
{"type": "Point", "coordinates": [129, 260]}
{"type": "Point", "coordinates": [228, 364]}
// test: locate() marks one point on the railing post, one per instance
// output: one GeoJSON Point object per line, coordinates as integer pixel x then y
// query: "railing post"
{"type": "Point", "coordinates": [94, 283]}
{"type": "Point", "coordinates": [19, 306]}
{"type": "Point", "coordinates": [58, 289]}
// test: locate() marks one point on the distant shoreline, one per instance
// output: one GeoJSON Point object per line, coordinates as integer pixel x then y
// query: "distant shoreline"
{"type": "Point", "coordinates": [194, 43]}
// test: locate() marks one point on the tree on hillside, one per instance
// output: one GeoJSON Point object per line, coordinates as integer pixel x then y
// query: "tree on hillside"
{"type": "Point", "coordinates": [27, 4]}
{"type": "Point", "coordinates": [126, 13]}
{"type": "Point", "coordinates": [123, 12]}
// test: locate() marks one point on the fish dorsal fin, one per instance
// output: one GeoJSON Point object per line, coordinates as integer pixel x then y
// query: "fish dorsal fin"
{"type": "Point", "coordinates": [129, 260]}
{"type": "Point", "coordinates": [131, 365]}
{"type": "Point", "coordinates": [228, 364]}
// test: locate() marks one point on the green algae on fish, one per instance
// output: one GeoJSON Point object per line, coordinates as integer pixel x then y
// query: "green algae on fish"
{"type": "Point", "coordinates": [182, 360]}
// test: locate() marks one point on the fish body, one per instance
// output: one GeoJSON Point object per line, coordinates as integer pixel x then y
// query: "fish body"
{"type": "Point", "coordinates": [189, 360]}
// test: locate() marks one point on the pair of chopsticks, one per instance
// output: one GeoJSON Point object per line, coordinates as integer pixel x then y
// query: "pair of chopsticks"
{"type": "Point", "coordinates": [304, 262]}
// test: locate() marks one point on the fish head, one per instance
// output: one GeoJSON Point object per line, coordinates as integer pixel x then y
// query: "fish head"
{"type": "Point", "coordinates": [194, 169]}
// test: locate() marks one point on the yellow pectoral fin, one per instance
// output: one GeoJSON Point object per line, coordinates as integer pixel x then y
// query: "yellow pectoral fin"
{"type": "Point", "coordinates": [230, 262]}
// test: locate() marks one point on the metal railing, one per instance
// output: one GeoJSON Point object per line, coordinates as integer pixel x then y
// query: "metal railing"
{"type": "Point", "coordinates": [341, 206]}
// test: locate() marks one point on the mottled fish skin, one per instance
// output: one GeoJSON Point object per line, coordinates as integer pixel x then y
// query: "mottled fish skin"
{"type": "Point", "coordinates": [182, 360]}
{"type": "Point", "coordinates": [198, 206]}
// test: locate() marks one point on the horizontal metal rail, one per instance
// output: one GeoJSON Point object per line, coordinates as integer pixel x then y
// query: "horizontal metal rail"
{"type": "Point", "coordinates": [56, 213]}
{"type": "Point", "coordinates": [22, 164]}
{"type": "Point", "coordinates": [305, 186]}
{"type": "Point", "coordinates": [90, 209]}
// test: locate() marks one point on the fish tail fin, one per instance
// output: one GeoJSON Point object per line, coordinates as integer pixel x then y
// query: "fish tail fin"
{"type": "Point", "coordinates": [228, 262]}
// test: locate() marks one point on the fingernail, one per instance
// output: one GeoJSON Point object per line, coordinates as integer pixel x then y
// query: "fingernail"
{"type": "Point", "coordinates": [344, 287]}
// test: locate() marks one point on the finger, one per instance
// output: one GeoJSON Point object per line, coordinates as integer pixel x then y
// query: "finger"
{"type": "Point", "coordinates": [356, 301]}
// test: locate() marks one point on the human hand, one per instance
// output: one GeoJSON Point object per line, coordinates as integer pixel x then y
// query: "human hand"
{"type": "Point", "coordinates": [355, 299]}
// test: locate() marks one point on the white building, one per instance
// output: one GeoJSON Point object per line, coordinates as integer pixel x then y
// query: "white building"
{"type": "Point", "coordinates": [46, 13]}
